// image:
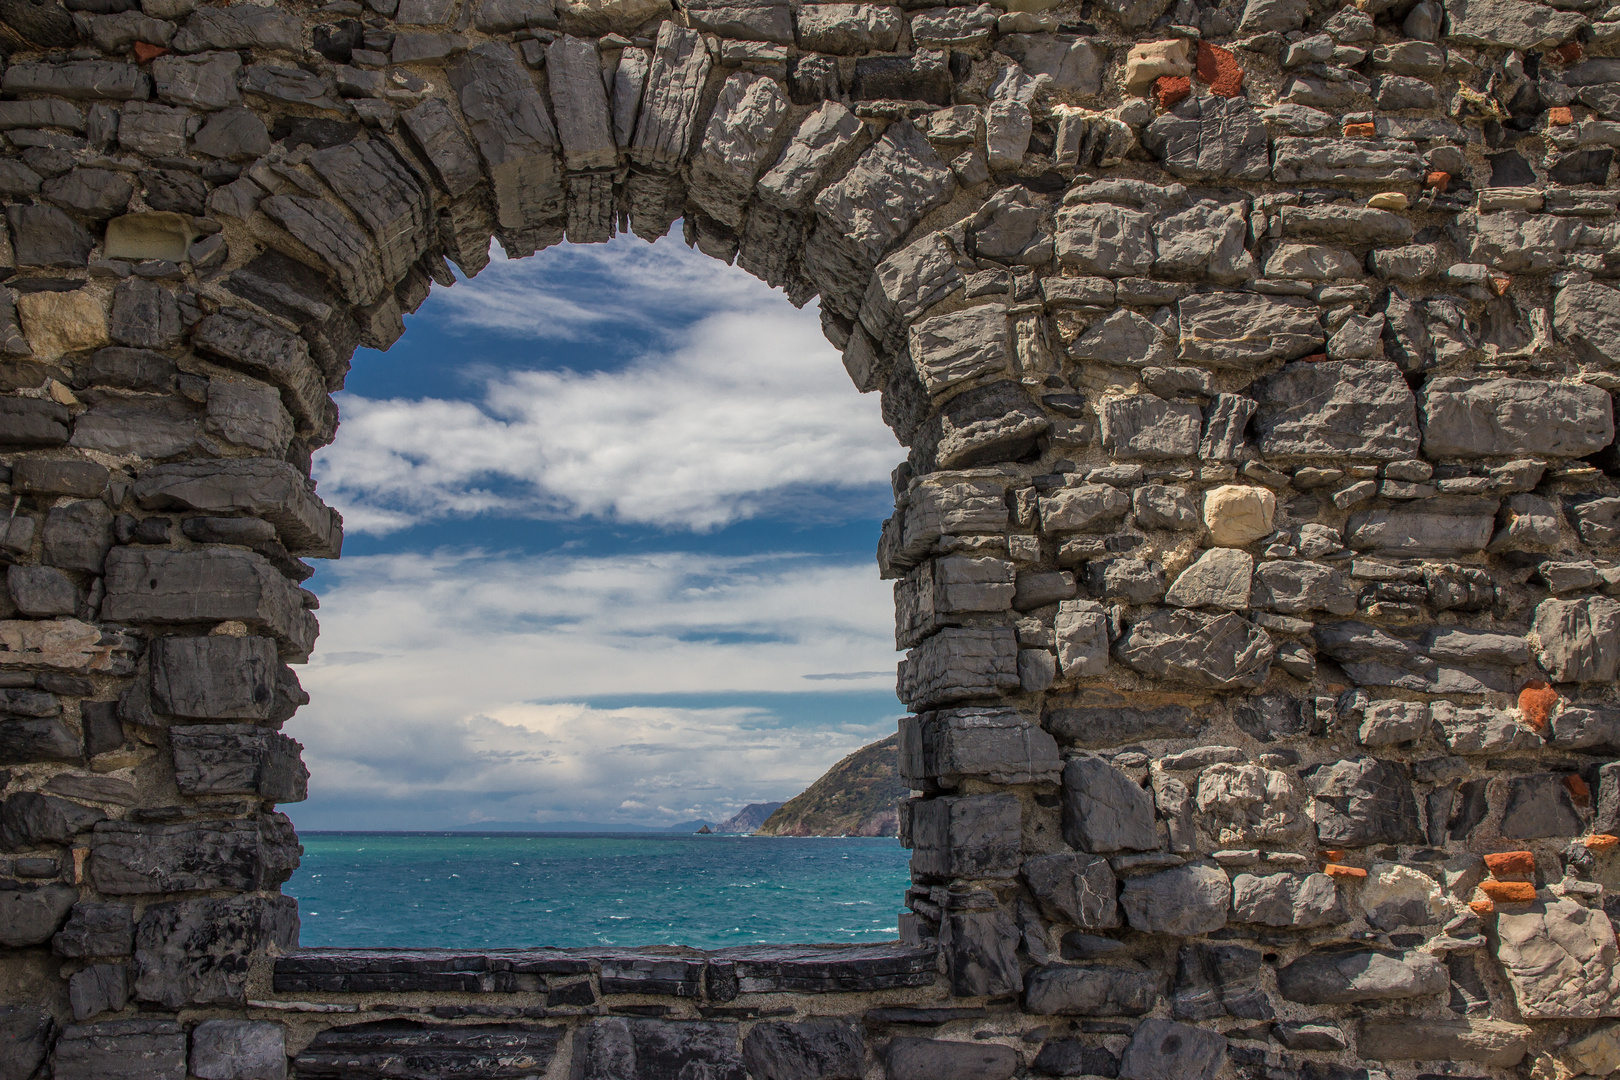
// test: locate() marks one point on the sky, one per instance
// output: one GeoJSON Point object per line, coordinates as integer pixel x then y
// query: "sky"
{"type": "Point", "coordinates": [610, 515]}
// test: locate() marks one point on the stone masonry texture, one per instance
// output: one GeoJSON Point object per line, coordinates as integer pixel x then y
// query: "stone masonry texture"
{"type": "Point", "coordinates": [1256, 553]}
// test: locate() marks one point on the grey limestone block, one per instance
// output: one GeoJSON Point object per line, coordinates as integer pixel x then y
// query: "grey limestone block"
{"type": "Point", "coordinates": [1506, 417]}
{"type": "Point", "coordinates": [513, 132]}
{"type": "Point", "coordinates": [30, 914]}
{"type": "Point", "coordinates": [1362, 161]}
{"type": "Point", "coordinates": [1101, 726]}
{"type": "Point", "coordinates": [749, 20]}
{"type": "Point", "coordinates": [1364, 801]}
{"type": "Point", "coordinates": [96, 929]}
{"type": "Point", "coordinates": [1145, 427]}
{"type": "Point", "coordinates": [1539, 806]}
{"type": "Point", "coordinates": [128, 859]}
{"type": "Point", "coordinates": [907, 282]}
{"type": "Point", "coordinates": [240, 26]}
{"type": "Point", "coordinates": [202, 81]}
{"type": "Point", "coordinates": [1216, 981]}
{"type": "Point", "coordinates": [264, 487]}
{"type": "Point", "coordinates": [959, 664]}
{"type": "Point", "coordinates": [30, 819]}
{"type": "Point", "coordinates": [78, 535]}
{"type": "Point", "coordinates": [739, 139]}
{"type": "Point", "coordinates": [260, 347]}
{"type": "Point", "coordinates": [1210, 138]}
{"type": "Point", "coordinates": [1224, 329]}
{"type": "Point", "coordinates": [909, 1058]}
{"type": "Point", "coordinates": [574, 75]}
{"type": "Point", "coordinates": [238, 759]}
{"type": "Point", "coordinates": [1184, 900]}
{"type": "Point", "coordinates": [1200, 649]}
{"type": "Point", "coordinates": [209, 585]}
{"type": "Point", "coordinates": [1286, 899]}
{"type": "Point", "coordinates": [980, 952]}
{"type": "Point", "coordinates": [1506, 22]}
{"type": "Point", "coordinates": [190, 952]}
{"type": "Point", "coordinates": [42, 591]}
{"type": "Point", "coordinates": [1167, 1050]}
{"type": "Point", "coordinates": [82, 80]}
{"type": "Point", "coordinates": [453, 162]}
{"type": "Point", "coordinates": [216, 677]}
{"type": "Point", "coordinates": [848, 29]}
{"type": "Point", "coordinates": [998, 745]}
{"type": "Point", "coordinates": [122, 1050]}
{"type": "Point", "coordinates": [669, 105]}
{"type": "Point", "coordinates": [26, 1034]}
{"type": "Point", "coordinates": [370, 1049]}
{"type": "Point", "coordinates": [948, 350]}
{"type": "Point", "coordinates": [97, 989]}
{"type": "Point", "coordinates": [821, 1048]}
{"type": "Point", "coordinates": [239, 1050]}
{"type": "Point", "coordinates": [1579, 639]}
{"type": "Point", "coordinates": [966, 836]}
{"type": "Point", "coordinates": [1352, 975]}
{"type": "Point", "coordinates": [1090, 990]}
{"type": "Point", "coordinates": [1075, 889]}
{"type": "Point", "coordinates": [1219, 578]}
{"type": "Point", "coordinates": [1488, 1042]}
{"type": "Point", "coordinates": [1104, 811]}
{"type": "Point", "coordinates": [383, 192]}
{"type": "Point", "coordinates": [44, 236]}
{"type": "Point", "coordinates": [1111, 241]}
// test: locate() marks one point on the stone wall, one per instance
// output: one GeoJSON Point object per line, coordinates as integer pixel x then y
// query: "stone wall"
{"type": "Point", "coordinates": [1255, 555]}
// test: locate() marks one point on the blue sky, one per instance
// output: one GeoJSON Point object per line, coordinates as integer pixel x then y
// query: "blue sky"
{"type": "Point", "coordinates": [610, 520]}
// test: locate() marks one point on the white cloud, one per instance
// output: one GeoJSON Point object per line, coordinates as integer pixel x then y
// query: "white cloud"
{"type": "Point", "coordinates": [739, 408]}
{"type": "Point", "coordinates": [426, 680]}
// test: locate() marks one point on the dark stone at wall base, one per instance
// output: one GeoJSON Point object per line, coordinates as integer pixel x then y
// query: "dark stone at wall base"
{"type": "Point", "coordinates": [1072, 1057]}
{"type": "Point", "coordinates": [1166, 1050]}
{"type": "Point", "coordinates": [133, 859]}
{"type": "Point", "coordinates": [1336, 978]}
{"type": "Point", "coordinates": [614, 1048]}
{"type": "Point", "coordinates": [122, 1050]}
{"type": "Point", "coordinates": [1090, 990]}
{"type": "Point", "coordinates": [239, 1050]}
{"type": "Point", "coordinates": [97, 989]}
{"type": "Point", "coordinates": [375, 1051]}
{"type": "Point", "coordinates": [817, 1049]}
{"type": "Point", "coordinates": [981, 953]}
{"type": "Point", "coordinates": [906, 1058]}
{"type": "Point", "coordinates": [96, 929]}
{"type": "Point", "coordinates": [1365, 801]}
{"type": "Point", "coordinates": [29, 915]}
{"type": "Point", "coordinates": [197, 952]}
{"type": "Point", "coordinates": [25, 1038]}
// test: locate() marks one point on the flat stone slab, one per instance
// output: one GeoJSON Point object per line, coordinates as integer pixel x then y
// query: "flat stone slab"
{"type": "Point", "coordinates": [675, 972]}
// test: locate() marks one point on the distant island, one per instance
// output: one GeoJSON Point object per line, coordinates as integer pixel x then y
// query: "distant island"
{"type": "Point", "coordinates": [859, 796]}
{"type": "Point", "coordinates": [748, 819]}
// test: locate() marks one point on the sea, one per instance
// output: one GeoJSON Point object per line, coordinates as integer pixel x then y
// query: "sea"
{"type": "Point", "coordinates": [495, 890]}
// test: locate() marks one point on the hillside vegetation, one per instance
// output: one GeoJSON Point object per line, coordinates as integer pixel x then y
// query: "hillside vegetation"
{"type": "Point", "coordinates": [859, 796]}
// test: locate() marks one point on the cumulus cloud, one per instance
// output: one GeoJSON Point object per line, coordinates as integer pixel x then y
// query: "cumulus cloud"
{"type": "Point", "coordinates": [737, 407]}
{"type": "Point", "coordinates": [456, 687]}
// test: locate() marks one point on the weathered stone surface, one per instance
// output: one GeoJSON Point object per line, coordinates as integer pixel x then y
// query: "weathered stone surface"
{"type": "Point", "coordinates": [966, 836]}
{"type": "Point", "coordinates": [26, 1034]}
{"type": "Point", "coordinates": [1539, 806]}
{"type": "Point", "coordinates": [219, 678]}
{"type": "Point", "coordinates": [29, 819]}
{"type": "Point", "coordinates": [1075, 1057]}
{"type": "Point", "coordinates": [1459, 530]}
{"type": "Point", "coordinates": [1364, 801]}
{"type": "Point", "coordinates": [1087, 507]}
{"type": "Point", "coordinates": [815, 1049]}
{"type": "Point", "coordinates": [822, 138]}
{"type": "Point", "coordinates": [1489, 1042]}
{"type": "Point", "coordinates": [1285, 899]}
{"type": "Point", "coordinates": [1223, 329]}
{"type": "Point", "coordinates": [1124, 338]}
{"type": "Point", "coordinates": [513, 133]}
{"type": "Point", "coordinates": [238, 759]}
{"type": "Point", "coordinates": [1074, 65]}
{"type": "Point", "coordinates": [207, 586]}
{"type": "Point", "coordinates": [1296, 586]}
{"type": "Point", "coordinates": [130, 859]}
{"type": "Point", "coordinates": [1365, 161]}
{"type": "Point", "coordinates": [1249, 804]}
{"type": "Point", "coordinates": [44, 236]}
{"type": "Point", "coordinates": [194, 952]}
{"type": "Point", "coordinates": [29, 915]}
{"type": "Point", "coordinates": [122, 1050]}
{"type": "Point", "coordinates": [1145, 427]}
{"type": "Point", "coordinates": [1210, 138]}
{"type": "Point", "coordinates": [1111, 241]}
{"type": "Point", "coordinates": [1219, 578]}
{"type": "Point", "coordinates": [269, 489]}
{"type": "Point", "coordinates": [1215, 651]}
{"type": "Point", "coordinates": [680, 65]}
{"type": "Point", "coordinates": [96, 929]}
{"type": "Point", "coordinates": [1074, 889]}
{"type": "Point", "coordinates": [908, 1058]}
{"type": "Point", "coordinates": [1361, 408]}
{"type": "Point", "coordinates": [42, 591]}
{"type": "Point", "coordinates": [1161, 507]}
{"type": "Point", "coordinates": [1345, 977]}
{"type": "Point", "coordinates": [959, 664]}
{"type": "Point", "coordinates": [1503, 417]}
{"type": "Point", "coordinates": [997, 744]}
{"type": "Point", "coordinates": [1095, 727]}
{"type": "Point", "coordinates": [952, 349]}
{"type": "Point", "coordinates": [1166, 1050]}
{"type": "Point", "coordinates": [1104, 810]}
{"type": "Point", "coordinates": [1186, 900]}
{"type": "Point", "coordinates": [1090, 990]}
{"type": "Point", "coordinates": [1513, 23]}
{"type": "Point", "coordinates": [848, 29]}
{"type": "Point", "coordinates": [97, 989]}
{"type": "Point", "coordinates": [1587, 315]}
{"type": "Point", "coordinates": [238, 1050]}
{"type": "Point", "coordinates": [861, 216]}
{"type": "Point", "coordinates": [1560, 960]}
{"type": "Point", "coordinates": [1483, 730]}
{"type": "Point", "coordinates": [1579, 639]}
{"type": "Point", "coordinates": [374, 1050]}
{"type": "Point", "coordinates": [980, 953]}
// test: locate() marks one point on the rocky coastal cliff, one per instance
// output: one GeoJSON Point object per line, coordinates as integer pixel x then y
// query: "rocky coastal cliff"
{"type": "Point", "coordinates": [859, 796]}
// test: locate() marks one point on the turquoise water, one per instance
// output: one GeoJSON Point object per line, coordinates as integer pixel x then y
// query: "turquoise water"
{"type": "Point", "coordinates": [472, 890]}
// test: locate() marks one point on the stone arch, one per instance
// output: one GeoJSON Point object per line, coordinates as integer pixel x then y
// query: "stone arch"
{"type": "Point", "coordinates": [1254, 551]}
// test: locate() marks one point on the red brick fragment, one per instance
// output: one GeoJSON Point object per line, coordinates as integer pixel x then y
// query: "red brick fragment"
{"type": "Point", "coordinates": [1219, 68]}
{"type": "Point", "coordinates": [1578, 790]}
{"type": "Point", "coordinates": [1170, 89]}
{"type": "Point", "coordinates": [1505, 864]}
{"type": "Point", "coordinates": [1536, 702]}
{"type": "Point", "coordinates": [1360, 131]}
{"type": "Point", "coordinates": [1436, 179]}
{"type": "Point", "coordinates": [1337, 870]}
{"type": "Point", "coordinates": [1509, 892]}
{"type": "Point", "coordinates": [1568, 53]}
{"type": "Point", "coordinates": [1560, 116]}
{"type": "Point", "coordinates": [145, 52]}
